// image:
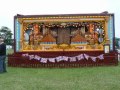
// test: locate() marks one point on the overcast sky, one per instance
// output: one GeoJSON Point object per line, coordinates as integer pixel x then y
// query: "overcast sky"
{"type": "Point", "coordinates": [9, 8]}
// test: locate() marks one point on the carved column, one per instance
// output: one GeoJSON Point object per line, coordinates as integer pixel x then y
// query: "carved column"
{"type": "Point", "coordinates": [106, 30]}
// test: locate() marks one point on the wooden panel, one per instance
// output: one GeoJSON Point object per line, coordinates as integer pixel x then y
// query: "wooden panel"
{"type": "Point", "coordinates": [15, 60]}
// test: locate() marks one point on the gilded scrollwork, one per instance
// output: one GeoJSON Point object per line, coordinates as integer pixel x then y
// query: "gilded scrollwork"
{"type": "Point", "coordinates": [50, 36]}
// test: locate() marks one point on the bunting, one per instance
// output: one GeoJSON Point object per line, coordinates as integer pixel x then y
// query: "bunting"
{"type": "Point", "coordinates": [72, 59]}
{"type": "Point", "coordinates": [80, 57]}
{"type": "Point", "coordinates": [93, 58]}
{"type": "Point", "coordinates": [37, 57]}
{"type": "Point", "coordinates": [43, 60]}
{"type": "Point", "coordinates": [101, 56]}
{"type": "Point", "coordinates": [63, 58]}
{"type": "Point", "coordinates": [51, 60]}
{"type": "Point", "coordinates": [86, 56]}
{"type": "Point", "coordinates": [59, 58]}
{"type": "Point", "coordinates": [31, 57]}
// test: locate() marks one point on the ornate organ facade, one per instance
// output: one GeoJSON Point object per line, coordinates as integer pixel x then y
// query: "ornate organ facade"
{"type": "Point", "coordinates": [68, 32]}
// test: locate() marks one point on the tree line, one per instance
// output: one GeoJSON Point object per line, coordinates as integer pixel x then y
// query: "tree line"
{"type": "Point", "coordinates": [6, 33]}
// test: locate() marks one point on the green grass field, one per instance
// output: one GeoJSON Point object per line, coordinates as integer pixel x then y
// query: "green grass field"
{"type": "Point", "coordinates": [87, 78]}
